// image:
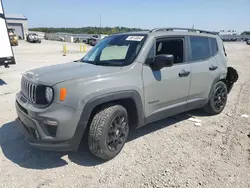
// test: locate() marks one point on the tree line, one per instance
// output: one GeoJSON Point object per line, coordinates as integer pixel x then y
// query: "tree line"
{"type": "Point", "coordinates": [246, 33]}
{"type": "Point", "coordinates": [86, 30]}
{"type": "Point", "coordinates": [94, 30]}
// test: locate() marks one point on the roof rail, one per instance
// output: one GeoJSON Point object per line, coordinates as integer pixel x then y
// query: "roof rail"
{"type": "Point", "coordinates": [182, 29]}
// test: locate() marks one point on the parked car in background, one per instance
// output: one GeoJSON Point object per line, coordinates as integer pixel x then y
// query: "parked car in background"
{"type": "Point", "coordinates": [13, 37]}
{"type": "Point", "coordinates": [33, 38]}
{"type": "Point", "coordinates": [93, 40]}
{"type": "Point", "coordinates": [248, 42]}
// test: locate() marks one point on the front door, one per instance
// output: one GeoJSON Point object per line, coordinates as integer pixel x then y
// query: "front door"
{"type": "Point", "coordinates": [166, 90]}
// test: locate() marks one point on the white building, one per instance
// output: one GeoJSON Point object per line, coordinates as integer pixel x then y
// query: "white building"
{"type": "Point", "coordinates": [229, 32]}
{"type": "Point", "coordinates": [19, 23]}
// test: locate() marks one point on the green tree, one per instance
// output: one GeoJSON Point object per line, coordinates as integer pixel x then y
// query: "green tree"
{"type": "Point", "coordinates": [87, 30]}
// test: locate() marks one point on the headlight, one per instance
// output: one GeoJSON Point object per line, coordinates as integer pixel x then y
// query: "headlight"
{"type": "Point", "coordinates": [49, 94]}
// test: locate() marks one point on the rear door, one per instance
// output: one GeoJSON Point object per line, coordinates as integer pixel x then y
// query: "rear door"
{"type": "Point", "coordinates": [204, 69]}
{"type": "Point", "coordinates": [6, 53]}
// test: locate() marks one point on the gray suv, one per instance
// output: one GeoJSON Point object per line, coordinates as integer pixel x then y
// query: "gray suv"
{"type": "Point", "coordinates": [126, 81]}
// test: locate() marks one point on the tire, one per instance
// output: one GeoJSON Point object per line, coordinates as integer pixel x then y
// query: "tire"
{"type": "Point", "coordinates": [105, 132]}
{"type": "Point", "coordinates": [218, 99]}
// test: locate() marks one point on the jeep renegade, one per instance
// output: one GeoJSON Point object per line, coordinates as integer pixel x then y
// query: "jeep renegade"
{"type": "Point", "coordinates": [126, 81]}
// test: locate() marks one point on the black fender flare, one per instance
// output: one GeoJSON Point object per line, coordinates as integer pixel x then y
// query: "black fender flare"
{"type": "Point", "coordinates": [102, 99]}
{"type": "Point", "coordinates": [212, 86]}
{"type": "Point", "coordinates": [231, 77]}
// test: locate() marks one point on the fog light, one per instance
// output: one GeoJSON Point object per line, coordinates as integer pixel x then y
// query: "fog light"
{"type": "Point", "coordinates": [51, 122]}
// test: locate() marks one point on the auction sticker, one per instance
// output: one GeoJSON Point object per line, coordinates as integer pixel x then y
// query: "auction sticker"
{"type": "Point", "coordinates": [135, 38]}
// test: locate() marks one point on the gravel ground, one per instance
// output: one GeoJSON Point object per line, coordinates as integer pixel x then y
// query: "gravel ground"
{"type": "Point", "coordinates": [170, 153]}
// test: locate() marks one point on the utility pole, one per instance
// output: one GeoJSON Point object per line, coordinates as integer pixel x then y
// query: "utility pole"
{"type": "Point", "coordinates": [100, 20]}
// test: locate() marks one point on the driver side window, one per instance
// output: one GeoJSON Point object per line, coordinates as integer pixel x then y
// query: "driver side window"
{"type": "Point", "coordinates": [170, 46]}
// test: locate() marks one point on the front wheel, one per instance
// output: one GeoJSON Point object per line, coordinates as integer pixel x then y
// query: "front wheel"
{"type": "Point", "coordinates": [108, 132]}
{"type": "Point", "coordinates": [218, 99]}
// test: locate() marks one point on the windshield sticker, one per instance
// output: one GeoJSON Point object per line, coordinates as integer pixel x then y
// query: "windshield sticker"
{"type": "Point", "coordinates": [135, 38]}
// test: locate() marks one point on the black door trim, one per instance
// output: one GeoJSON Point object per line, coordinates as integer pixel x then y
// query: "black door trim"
{"type": "Point", "coordinates": [166, 112]}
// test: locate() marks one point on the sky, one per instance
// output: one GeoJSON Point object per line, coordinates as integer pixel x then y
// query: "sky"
{"type": "Point", "coordinates": [212, 15]}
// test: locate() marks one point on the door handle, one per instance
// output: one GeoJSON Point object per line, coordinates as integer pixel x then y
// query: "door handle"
{"type": "Point", "coordinates": [184, 73]}
{"type": "Point", "coordinates": [212, 68]}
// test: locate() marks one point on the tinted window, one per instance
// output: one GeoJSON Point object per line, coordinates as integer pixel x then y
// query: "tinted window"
{"type": "Point", "coordinates": [200, 48]}
{"type": "Point", "coordinates": [214, 46]}
{"type": "Point", "coordinates": [171, 46]}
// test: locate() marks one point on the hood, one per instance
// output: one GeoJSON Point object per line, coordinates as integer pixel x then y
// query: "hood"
{"type": "Point", "coordinates": [54, 74]}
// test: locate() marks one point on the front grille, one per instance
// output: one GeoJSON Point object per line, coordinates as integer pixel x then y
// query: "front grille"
{"type": "Point", "coordinates": [28, 89]}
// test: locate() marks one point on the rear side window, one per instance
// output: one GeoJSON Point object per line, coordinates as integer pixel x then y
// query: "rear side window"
{"type": "Point", "coordinates": [199, 48]}
{"type": "Point", "coordinates": [214, 46]}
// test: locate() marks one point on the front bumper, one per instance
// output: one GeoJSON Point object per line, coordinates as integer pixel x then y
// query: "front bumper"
{"type": "Point", "coordinates": [36, 132]}
{"type": "Point", "coordinates": [69, 145]}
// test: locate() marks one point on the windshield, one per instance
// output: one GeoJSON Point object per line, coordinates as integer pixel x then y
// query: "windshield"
{"type": "Point", "coordinates": [116, 50]}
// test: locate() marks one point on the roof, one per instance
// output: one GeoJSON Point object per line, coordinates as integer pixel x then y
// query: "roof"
{"type": "Point", "coordinates": [178, 33]}
{"type": "Point", "coordinates": [133, 33]}
{"type": "Point", "coordinates": [15, 16]}
{"type": "Point", "coordinates": [167, 33]}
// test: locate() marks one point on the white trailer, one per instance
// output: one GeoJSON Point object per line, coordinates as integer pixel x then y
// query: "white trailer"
{"type": "Point", "coordinates": [6, 52]}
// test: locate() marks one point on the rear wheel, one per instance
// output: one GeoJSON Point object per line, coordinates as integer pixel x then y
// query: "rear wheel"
{"type": "Point", "coordinates": [108, 132]}
{"type": "Point", "coordinates": [218, 99]}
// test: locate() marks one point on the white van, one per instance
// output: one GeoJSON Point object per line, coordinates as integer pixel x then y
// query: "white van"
{"type": "Point", "coordinates": [6, 52]}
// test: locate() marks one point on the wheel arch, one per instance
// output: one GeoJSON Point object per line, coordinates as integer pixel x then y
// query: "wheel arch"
{"type": "Point", "coordinates": [124, 98]}
{"type": "Point", "coordinates": [229, 79]}
{"type": "Point", "coordinates": [130, 99]}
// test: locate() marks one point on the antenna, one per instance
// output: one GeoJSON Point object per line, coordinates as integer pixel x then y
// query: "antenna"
{"type": "Point", "coordinates": [100, 20]}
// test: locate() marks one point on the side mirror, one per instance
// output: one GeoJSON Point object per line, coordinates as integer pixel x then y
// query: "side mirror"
{"type": "Point", "coordinates": [163, 60]}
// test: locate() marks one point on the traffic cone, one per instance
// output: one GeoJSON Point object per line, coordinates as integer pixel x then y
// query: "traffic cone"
{"type": "Point", "coordinates": [64, 50]}
{"type": "Point", "coordinates": [84, 48]}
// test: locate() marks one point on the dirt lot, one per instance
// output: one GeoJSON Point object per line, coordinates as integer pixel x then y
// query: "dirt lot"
{"type": "Point", "coordinates": [170, 153]}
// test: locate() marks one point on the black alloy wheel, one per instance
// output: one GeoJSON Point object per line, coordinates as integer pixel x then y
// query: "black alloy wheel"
{"type": "Point", "coordinates": [220, 98]}
{"type": "Point", "coordinates": [108, 131]}
{"type": "Point", "coordinates": [117, 133]}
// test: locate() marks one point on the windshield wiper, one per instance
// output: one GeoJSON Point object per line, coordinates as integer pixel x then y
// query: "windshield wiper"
{"type": "Point", "coordinates": [109, 63]}
{"type": "Point", "coordinates": [90, 62]}
{"type": "Point", "coordinates": [79, 60]}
